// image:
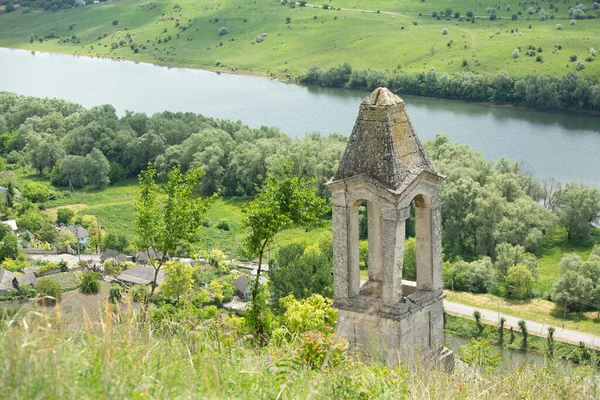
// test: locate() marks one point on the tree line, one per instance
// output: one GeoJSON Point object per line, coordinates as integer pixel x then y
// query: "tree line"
{"type": "Point", "coordinates": [75, 146]}
{"type": "Point", "coordinates": [541, 91]}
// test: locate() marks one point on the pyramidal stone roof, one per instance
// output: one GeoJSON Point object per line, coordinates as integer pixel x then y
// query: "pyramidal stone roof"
{"type": "Point", "coordinates": [383, 146]}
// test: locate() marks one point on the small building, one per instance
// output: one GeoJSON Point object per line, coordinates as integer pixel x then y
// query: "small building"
{"type": "Point", "coordinates": [120, 258]}
{"type": "Point", "coordinates": [7, 281]}
{"type": "Point", "coordinates": [13, 225]}
{"type": "Point", "coordinates": [243, 288]}
{"type": "Point", "coordinates": [82, 235]}
{"type": "Point", "coordinates": [10, 281]}
{"type": "Point", "coordinates": [144, 256]}
{"type": "Point", "coordinates": [140, 275]}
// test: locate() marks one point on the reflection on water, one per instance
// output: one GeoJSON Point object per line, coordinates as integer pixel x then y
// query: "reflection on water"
{"type": "Point", "coordinates": [554, 145]}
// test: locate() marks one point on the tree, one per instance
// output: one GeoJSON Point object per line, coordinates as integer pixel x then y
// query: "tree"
{"type": "Point", "coordinates": [301, 271]}
{"type": "Point", "coordinates": [523, 327]}
{"type": "Point", "coordinates": [223, 31]}
{"type": "Point", "coordinates": [50, 288]}
{"type": "Point", "coordinates": [64, 216]}
{"type": "Point", "coordinates": [283, 201]}
{"type": "Point", "coordinates": [90, 284]}
{"type": "Point", "coordinates": [178, 281]}
{"type": "Point", "coordinates": [577, 207]}
{"type": "Point", "coordinates": [36, 192]}
{"type": "Point", "coordinates": [97, 168]}
{"type": "Point", "coordinates": [71, 172]}
{"type": "Point", "coordinates": [519, 283]}
{"type": "Point", "coordinates": [167, 217]}
{"type": "Point", "coordinates": [9, 247]}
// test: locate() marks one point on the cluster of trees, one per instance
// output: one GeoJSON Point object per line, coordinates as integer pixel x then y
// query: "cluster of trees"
{"type": "Point", "coordinates": [578, 287]}
{"type": "Point", "coordinates": [76, 146]}
{"type": "Point", "coordinates": [543, 91]}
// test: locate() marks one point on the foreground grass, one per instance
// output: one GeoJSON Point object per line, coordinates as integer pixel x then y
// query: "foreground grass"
{"type": "Point", "coordinates": [397, 37]}
{"type": "Point", "coordinates": [122, 358]}
{"type": "Point", "coordinates": [538, 310]}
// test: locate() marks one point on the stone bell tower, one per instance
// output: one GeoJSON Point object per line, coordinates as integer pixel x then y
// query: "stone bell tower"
{"type": "Point", "coordinates": [385, 165]}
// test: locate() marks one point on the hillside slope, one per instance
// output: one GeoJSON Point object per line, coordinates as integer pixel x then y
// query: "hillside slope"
{"type": "Point", "coordinates": [400, 36]}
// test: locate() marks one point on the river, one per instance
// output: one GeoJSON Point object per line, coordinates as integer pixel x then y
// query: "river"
{"type": "Point", "coordinates": [556, 145]}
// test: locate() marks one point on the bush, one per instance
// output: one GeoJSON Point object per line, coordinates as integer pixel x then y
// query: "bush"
{"type": "Point", "coordinates": [519, 283]}
{"type": "Point", "coordinates": [580, 65]}
{"type": "Point", "coordinates": [114, 293]}
{"type": "Point", "coordinates": [445, 31]}
{"type": "Point", "coordinates": [90, 284]}
{"type": "Point", "coordinates": [115, 22]}
{"type": "Point", "coordinates": [573, 22]}
{"type": "Point", "coordinates": [36, 192]}
{"type": "Point", "coordinates": [516, 53]}
{"type": "Point", "coordinates": [573, 58]}
{"type": "Point", "coordinates": [288, 20]}
{"type": "Point", "coordinates": [217, 63]}
{"type": "Point", "coordinates": [593, 52]}
{"type": "Point", "coordinates": [10, 7]}
{"type": "Point", "coordinates": [223, 224]}
{"type": "Point", "coordinates": [493, 17]}
{"type": "Point", "coordinates": [223, 31]}
{"type": "Point", "coordinates": [559, 27]}
{"type": "Point", "coordinates": [64, 216]}
{"type": "Point", "coordinates": [139, 293]}
{"type": "Point", "coordinates": [48, 287]}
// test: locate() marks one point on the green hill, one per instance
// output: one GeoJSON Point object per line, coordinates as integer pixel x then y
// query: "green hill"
{"type": "Point", "coordinates": [390, 35]}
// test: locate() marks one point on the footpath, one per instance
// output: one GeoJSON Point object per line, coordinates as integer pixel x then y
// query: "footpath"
{"type": "Point", "coordinates": [534, 328]}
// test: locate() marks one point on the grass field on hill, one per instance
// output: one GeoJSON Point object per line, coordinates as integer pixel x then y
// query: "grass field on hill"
{"type": "Point", "coordinates": [395, 38]}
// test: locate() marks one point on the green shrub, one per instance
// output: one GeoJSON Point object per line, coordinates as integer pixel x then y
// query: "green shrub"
{"type": "Point", "coordinates": [48, 287]}
{"type": "Point", "coordinates": [139, 293]}
{"type": "Point", "coordinates": [90, 284]}
{"type": "Point", "coordinates": [223, 224]}
{"type": "Point", "coordinates": [114, 293]}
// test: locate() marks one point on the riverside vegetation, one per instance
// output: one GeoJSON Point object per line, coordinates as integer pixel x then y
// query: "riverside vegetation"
{"type": "Point", "coordinates": [492, 51]}
{"type": "Point", "coordinates": [504, 232]}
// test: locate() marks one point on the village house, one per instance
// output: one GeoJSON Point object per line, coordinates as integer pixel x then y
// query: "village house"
{"type": "Point", "coordinates": [144, 257]}
{"type": "Point", "coordinates": [243, 287]}
{"type": "Point", "coordinates": [117, 255]}
{"type": "Point", "coordinates": [10, 281]}
{"type": "Point", "coordinates": [13, 225]}
{"type": "Point", "coordinates": [140, 275]}
{"type": "Point", "coordinates": [82, 235]}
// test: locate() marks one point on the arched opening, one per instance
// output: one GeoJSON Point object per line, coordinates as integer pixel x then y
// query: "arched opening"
{"type": "Point", "coordinates": [424, 244]}
{"type": "Point", "coordinates": [365, 248]}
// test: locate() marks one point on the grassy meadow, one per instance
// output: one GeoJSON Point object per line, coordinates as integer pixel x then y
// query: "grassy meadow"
{"type": "Point", "coordinates": [402, 35]}
{"type": "Point", "coordinates": [114, 207]}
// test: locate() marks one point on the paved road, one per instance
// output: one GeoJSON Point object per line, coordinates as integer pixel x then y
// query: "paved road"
{"type": "Point", "coordinates": [534, 328]}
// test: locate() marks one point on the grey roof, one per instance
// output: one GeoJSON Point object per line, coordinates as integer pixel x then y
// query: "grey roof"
{"type": "Point", "coordinates": [144, 256]}
{"type": "Point", "coordinates": [79, 231]}
{"type": "Point", "coordinates": [141, 275]}
{"type": "Point", "coordinates": [30, 270]}
{"type": "Point", "coordinates": [113, 254]}
{"type": "Point", "coordinates": [242, 284]}
{"type": "Point", "coordinates": [6, 280]}
{"type": "Point", "coordinates": [383, 146]}
{"type": "Point", "coordinates": [27, 279]}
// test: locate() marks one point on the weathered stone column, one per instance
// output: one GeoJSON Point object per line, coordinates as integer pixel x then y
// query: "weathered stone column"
{"type": "Point", "coordinates": [375, 244]}
{"type": "Point", "coordinates": [436, 242]}
{"type": "Point", "coordinates": [340, 251]}
{"type": "Point", "coordinates": [353, 252]}
{"type": "Point", "coordinates": [424, 244]}
{"type": "Point", "coordinates": [393, 232]}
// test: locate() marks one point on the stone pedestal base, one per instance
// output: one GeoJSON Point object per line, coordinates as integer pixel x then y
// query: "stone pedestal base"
{"type": "Point", "coordinates": [410, 332]}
